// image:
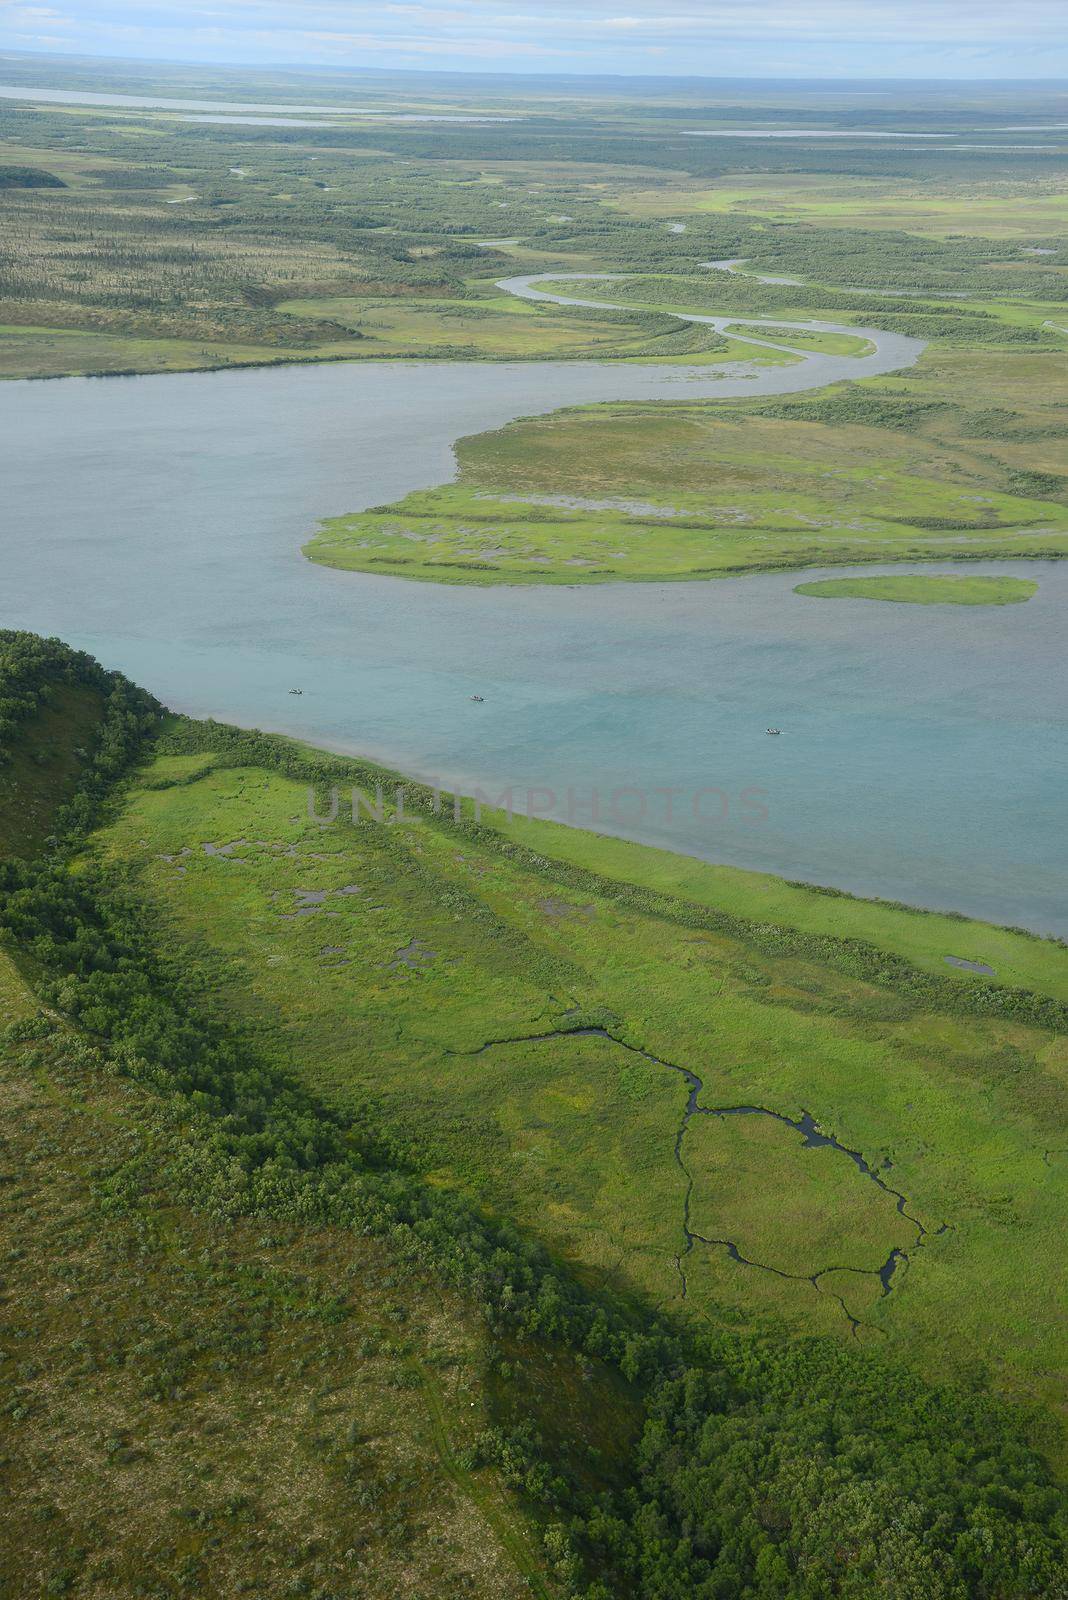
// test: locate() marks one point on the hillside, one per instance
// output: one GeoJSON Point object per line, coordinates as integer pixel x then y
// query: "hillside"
{"type": "Point", "coordinates": [197, 1405]}
{"type": "Point", "coordinates": [386, 1185]}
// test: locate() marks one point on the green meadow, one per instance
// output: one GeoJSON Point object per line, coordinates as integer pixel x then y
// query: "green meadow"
{"type": "Point", "coordinates": [677, 491]}
{"type": "Point", "coordinates": [396, 1207]}
{"type": "Point", "coordinates": [524, 1011]}
{"type": "Point", "coordinates": [818, 341]}
{"type": "Point", "coordinates": [923, 590]}
{"type": "Point", "coordinates": [891, 201]}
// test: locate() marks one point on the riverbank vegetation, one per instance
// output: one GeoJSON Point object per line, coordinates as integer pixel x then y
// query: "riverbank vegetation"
{"type": "Point", "coordinates": [925, 590]}
{"type": "Point", "coordinates": [425, 954]}
{"type": "Point", "coordinates": [385, 1113]}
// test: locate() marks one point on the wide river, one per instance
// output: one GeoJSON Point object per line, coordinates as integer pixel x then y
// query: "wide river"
{"type": "Point", "coordinates": [157, 522]}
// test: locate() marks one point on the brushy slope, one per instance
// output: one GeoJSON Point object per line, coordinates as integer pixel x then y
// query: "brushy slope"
{"type": "Point", "coordinates": [198, 1405]}
{"type": "Point", "coordinates": [62, 720]}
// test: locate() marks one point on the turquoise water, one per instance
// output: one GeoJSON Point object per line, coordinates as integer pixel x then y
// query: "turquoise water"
{"type": "Point", "coordinates": [157, 522]}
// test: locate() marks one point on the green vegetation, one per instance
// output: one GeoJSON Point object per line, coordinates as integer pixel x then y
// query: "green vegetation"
{"type": "Point", "coordinates": [952, 321]}
{"type": "Point", "coordinates": [687, 491]}
{"type": "Point", "coordinates": [925, 591]}
{"type": "Point", "coordinates": [207, 245]}
{"type": "Point", "coordinates": [142, 1339]}
{"type": "Point", "coordinates": [1026, 208]}
{"type": "Point", "coordinates": [207, 1059]}
{"type": "Point", "coordinates": [64, 352]}
{"type": "Point", "coordinates": [554, 1130]}
{"type": "Point", "coordinates": [807, 339]}
{"type": "Point", "coordinates": [64, 731]}
{"type": "Point", "coordinates": [46, 764]}
{"type": "Point", "coordinates": [768, 908]}
{"type": "Point", "coordinates": [472, 1205]}
{"type": "Point", "coordinates": [491, 326]}
{"type": "Point", "coordinates": [28, 178]}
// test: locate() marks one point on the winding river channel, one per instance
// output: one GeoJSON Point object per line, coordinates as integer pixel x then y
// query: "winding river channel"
{"type": "Point", "coordinates": [157, 521]}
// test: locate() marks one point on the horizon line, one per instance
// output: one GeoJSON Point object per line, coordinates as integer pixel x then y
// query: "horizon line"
{"type": "Point", "coordinates": [474, 72]}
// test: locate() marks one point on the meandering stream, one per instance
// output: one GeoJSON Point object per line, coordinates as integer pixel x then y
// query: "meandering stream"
{"type": "Point", "coordinates": [890, 351]}
{"type": "Point", "coordinates": [812, 1137]}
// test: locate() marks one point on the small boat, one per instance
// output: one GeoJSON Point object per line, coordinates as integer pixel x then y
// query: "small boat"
{"type": "Point", "coordinates": [478, 698]}
{"type": "Point", "coordinates": [296, 691]}
{"type": "Point", "coordinates": [773, 732]}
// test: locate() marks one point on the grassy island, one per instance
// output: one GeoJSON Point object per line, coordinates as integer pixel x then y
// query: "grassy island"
{"type": "Point", "coordinates": [687, 492]}
{"type": "Point", "coordinates": [924, 590]}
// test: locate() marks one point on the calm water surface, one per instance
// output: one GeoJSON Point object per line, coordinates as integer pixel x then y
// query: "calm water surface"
{"type": "Point", "coordinates": [141, 102]}
{"type": "Point", "coordinates": [157, 522]}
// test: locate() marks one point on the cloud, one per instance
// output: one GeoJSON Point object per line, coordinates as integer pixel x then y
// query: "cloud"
{"type": "Point", "coordinates": [693, 37]}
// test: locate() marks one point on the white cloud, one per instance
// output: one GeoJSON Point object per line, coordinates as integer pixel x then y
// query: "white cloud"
{"type": "Point", "coordinates": [855, 37]}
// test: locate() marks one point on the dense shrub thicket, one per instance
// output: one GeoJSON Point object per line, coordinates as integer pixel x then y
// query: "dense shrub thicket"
{"type": "Point", "coordinates": [767, 1469]}
{"type": "Point", "coordinates": [32, 669]}
{"type": "Point", "coordinates": [29, 178]}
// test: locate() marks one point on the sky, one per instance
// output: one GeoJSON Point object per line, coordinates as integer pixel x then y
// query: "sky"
{"type": "Point", "coordinates": [710, 38]}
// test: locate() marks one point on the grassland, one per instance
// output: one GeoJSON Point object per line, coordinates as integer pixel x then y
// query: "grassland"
{"type": "Point", "coordinates": [995, 208]}
{"type": "Point", "coordinates": [277, 1289]}
{"type": "Point", "coordinates": [674, 492]}
{"type": "Point", "coordinates": [921, 938]}
{"type": "Point", "coordinates": [67, 352]}
{"type": "Point", "coordinates": [195, 1401]}
{"type": "Point", "coordinates": [924, 590]}
{"type": "Point", "coordinates": [959, 457]}
{"type": "Point", "coordinates": [487, 325]}
{"type": "Point", "coordinates": [933, 310]}
{"type": "Point", "coordinates": [451, 977]}
{"type": "Point", "coordinates": [818, 342]}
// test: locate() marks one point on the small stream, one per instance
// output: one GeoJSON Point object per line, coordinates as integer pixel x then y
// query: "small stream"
{"type": "Point", "coordinates": [812, 1138]}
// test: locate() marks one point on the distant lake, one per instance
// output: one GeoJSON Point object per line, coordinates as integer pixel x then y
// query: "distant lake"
{"type": "Point", "coordinates": [157, 522]}
{"type": "Point", "coordinates": [950, 137]}
{"type": "Point", "coordinates": [142, 102]}
{"type": "Point", "coordinates": [810, 133]}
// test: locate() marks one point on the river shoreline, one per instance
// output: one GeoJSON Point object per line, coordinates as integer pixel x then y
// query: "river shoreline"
{"type": "Point", "coordinates": [174, 508]}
